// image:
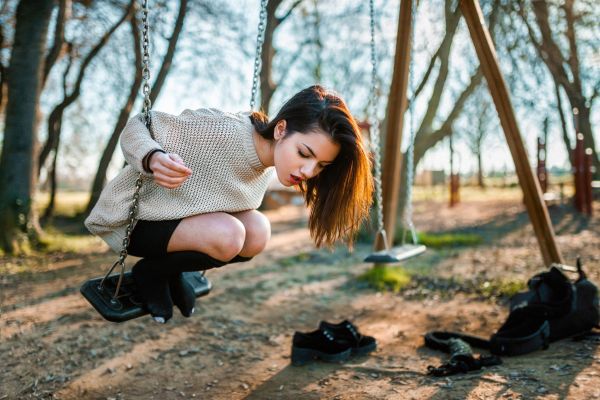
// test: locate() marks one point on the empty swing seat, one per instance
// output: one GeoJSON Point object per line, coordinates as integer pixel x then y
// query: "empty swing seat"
{"type": "Point", "coordinates": [396, 254]}
{"type": "Point", "coordinates": [127, 304]}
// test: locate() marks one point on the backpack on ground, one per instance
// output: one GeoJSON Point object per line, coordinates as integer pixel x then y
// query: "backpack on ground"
{"type": "Point", "coordinates": [553, 308]}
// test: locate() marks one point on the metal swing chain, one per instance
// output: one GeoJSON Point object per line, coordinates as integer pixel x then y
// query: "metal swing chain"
{"type": "Point", "coordinates": [138, 183]}
{"type": "Point", "coordinates": [374, 125]}
{"type": "Point", "coordinates": [375, 145]}
{"type": "Point", "coordinates": [408, 210]}
{"type": "Point", "coordinates": [260, 38]}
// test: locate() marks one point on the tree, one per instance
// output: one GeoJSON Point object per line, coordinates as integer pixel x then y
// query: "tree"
{"type": "Point", "coordinates": [267, 84]}
{"type": "Point", "coordinates": [107, 154]}
{"type": "Point", "coordinates": [564, 36]}
{"type": "Point", "coordinates": [56, 116]}
{"type": "Point", "coordinates": [477, 127]}
{"type": "Point", "coordinates": [17, 163]}
{"type": "Point", "coordinates": [434, 127]}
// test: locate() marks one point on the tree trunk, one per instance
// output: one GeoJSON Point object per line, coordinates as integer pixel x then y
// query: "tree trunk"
{"type": "Point", "coordinates": [267, 85]}
{"type": "Point", "coordinates": [17, 177]}
{"type": "Point", "coordinates": [49, 212]}
{"type": "Point", "coordinates": [480, 181]}
{"type": "Point", "coordinates": [563, 124]}
{"type": "Point", "coordinates": [2, 75]}
{"type": "Point", "coordinates": [564, 69]}
{"type": "Point", "coordinates": [64, 8]}
{"type": "Point", "coordinates": [584, 124]}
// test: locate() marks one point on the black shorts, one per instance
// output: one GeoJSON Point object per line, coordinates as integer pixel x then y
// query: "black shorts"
{"type": "Point", "coordinates": [151, 238]}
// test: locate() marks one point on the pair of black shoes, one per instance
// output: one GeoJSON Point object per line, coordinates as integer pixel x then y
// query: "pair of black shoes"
{"type": "Point", "coordinates": [331, 343]}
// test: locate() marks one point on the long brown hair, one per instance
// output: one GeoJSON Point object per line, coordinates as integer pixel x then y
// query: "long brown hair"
{"type": "Point", "coordinates": [340, 196]}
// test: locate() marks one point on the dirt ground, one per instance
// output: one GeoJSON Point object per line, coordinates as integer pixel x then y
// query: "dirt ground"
{"type": "Point", "coordinates": [237, 345]}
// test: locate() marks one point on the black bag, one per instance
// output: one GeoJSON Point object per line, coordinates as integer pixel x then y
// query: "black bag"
{"type": "Point", "coordinates": [553, 308]}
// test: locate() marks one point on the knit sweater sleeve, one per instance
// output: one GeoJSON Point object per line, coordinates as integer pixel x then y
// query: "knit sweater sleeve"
{"type": "Point", "coordinates": [136, 143]}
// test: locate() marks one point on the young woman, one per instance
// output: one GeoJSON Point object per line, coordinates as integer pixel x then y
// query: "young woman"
{"type": "Point", "coordinates": [210, 170]}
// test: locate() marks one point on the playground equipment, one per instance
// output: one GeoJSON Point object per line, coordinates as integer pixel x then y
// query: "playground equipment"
{"type": "Point", "coordinates": [113, 296]}
{"type": "Point", "coordinates": [397, 102]}
{"type": "Point", "coordinates": [387, 254]}
{"type": "Point", "coordinates": [540, 170]}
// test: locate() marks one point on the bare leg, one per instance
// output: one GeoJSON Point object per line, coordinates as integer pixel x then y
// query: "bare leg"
{"type": "Point", "coordinates": [219, 235]}
{"type": "Point", "coordinates": [258, 232]}
{"type": "Point", "coordinates": [222, 243]}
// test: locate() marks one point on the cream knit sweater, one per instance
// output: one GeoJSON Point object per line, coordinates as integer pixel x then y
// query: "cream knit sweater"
{"type": "Point", "coordinates": [218, 147]}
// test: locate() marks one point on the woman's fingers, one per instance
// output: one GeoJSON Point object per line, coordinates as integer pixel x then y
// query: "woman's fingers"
{"type": "Point", "coordinates": [169, 170]}
{"type": "Point", "coordinates": [165, 170]}
{"type": "Point", "coordinates": [176, 158]}
{"type": "Point", "coordinates": [169, 184]}
{"type": "Point", "coordinates": [175, 163]}
{"type": "Point", "coordinates": [169, 164]}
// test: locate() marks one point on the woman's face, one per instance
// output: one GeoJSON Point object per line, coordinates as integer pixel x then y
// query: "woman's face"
{"type": "Point", "coordinates": [301, 156]}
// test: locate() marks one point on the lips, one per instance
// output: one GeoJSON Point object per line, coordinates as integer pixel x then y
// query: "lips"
{"type": "Point", "coordinates": [295, 180]}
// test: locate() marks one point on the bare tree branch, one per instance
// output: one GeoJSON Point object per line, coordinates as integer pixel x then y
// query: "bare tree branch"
{"type": "Point", "coordinates": [289, 12]}
{"type": "Point", "coordinates": [59, 38]}
{"type": "Point", "coordinates": [57, 113]}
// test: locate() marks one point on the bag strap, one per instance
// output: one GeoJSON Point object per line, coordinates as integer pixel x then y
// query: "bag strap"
{"type": "Point", "coordinates": [461, 355]}
{"type": "Point", "coordinates": [497, 344]}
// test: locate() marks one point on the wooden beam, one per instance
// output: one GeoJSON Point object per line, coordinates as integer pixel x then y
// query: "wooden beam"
{"type": "Point", "coordinates": [538, 213]}
{"type": "Point", "coordinates": [397, 102]}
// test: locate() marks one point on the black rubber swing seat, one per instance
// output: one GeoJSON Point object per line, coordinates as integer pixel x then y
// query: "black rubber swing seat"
{"type": "Point", "coordinates": [396, 254]}
{"type": "Point", "coordinates": [127, 304]}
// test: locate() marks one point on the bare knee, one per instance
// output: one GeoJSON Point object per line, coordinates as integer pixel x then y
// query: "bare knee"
{"type": "Point", "coordinates": [219, 235]}
{"type": "Point", "coordinates": [229, 240]}
{"type": "Point", "coordinates": [258, 233]}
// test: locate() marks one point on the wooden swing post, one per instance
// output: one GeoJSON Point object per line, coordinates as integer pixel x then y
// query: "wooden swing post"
{"type": "Point", "coordinates": [536, 208]}
{"type": "Point", "coordinates": [397, 103]}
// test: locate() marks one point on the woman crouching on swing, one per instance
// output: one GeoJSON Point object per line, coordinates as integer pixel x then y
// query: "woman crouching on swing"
{"type": "Point", "coordinates": [210, 171]}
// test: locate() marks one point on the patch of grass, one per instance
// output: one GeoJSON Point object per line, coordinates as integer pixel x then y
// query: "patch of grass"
{"type": "Point", "coordinates": [440, 240]}
{"type": "Point", "coordinates": [68, 204]}
{"type": "Point", "coordinates": [292, 260]}
{"type": "Point", "coordinates": [501, 288]}
{"type": "Point", "coordinates": [384, 277]}
{"type": "Point", "coordinates": [56, 241]}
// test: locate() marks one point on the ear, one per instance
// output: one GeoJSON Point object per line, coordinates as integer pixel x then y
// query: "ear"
{"type": "Point", "coordinates": [280, 129]}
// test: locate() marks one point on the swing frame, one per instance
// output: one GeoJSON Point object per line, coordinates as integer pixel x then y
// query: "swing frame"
{"type": "Point", "coordinates": [405, 250]}
{"type": "Point", "coordinates": [397, 102]}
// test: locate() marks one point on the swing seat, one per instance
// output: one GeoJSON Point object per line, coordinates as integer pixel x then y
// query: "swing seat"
{"type": "Point", "coordinates": [127, 305]}
{"type": "Point", "coordinates": [396, 254]}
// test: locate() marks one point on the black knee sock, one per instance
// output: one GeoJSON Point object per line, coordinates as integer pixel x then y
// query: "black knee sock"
{"type": "Point", "coordinates": [161, 284]}
{"type": "Point", "coordinates": [153, 288]}
{"type": "Point", "coordinates": [182, 292]}
{"type": "Point", "coordinates": [239, 258]}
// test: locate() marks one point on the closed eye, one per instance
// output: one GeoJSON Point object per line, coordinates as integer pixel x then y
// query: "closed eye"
{"type": "Point", "coordinates": [301, 154]}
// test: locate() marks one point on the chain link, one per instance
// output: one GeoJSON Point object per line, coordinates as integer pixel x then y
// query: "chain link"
{"type": "Point", "coordinates": [374, 125]}
{"type": "Point", "coordinates": [146, 63]}
{"type": "Point", "coordinates": [133, 210]}
{"type": "Point", "coordinates": [410, 151]}
{"type": "Point", "coordinates": [375, 136]}
{"type": "Point", "coordinates": [260, 38]}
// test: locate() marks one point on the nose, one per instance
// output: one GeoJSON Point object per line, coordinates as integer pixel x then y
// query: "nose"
{"type": "Point", "coordinates": [308, 170]}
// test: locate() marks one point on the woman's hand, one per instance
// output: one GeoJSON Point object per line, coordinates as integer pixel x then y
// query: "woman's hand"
{"type": "Point", "coordinates": [169, 170]}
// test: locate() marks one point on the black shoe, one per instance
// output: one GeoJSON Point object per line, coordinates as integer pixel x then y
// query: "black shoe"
{"type": "Point", "coordinates": [318, 345]}
{"type": "Point", "coordinates": [182, 294]}
{"type": "Point", "coordinates": [153, 290]}
{"type": "Point", "coordinates": [348, 335]}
